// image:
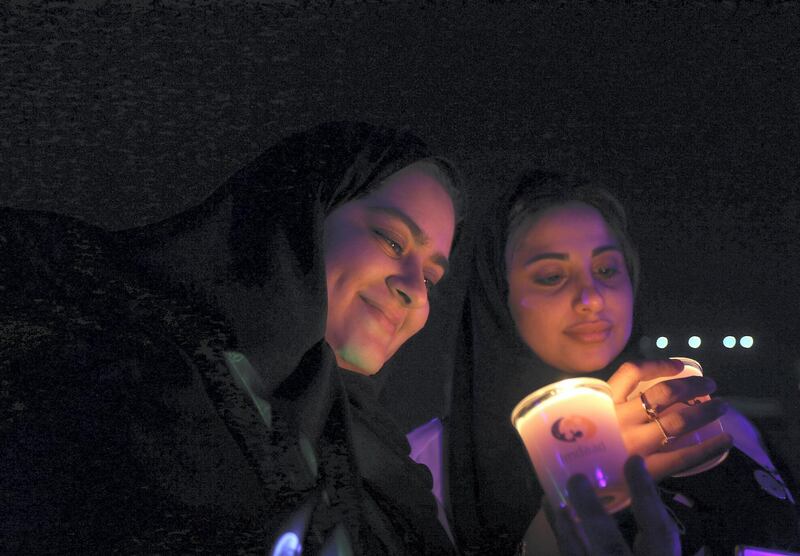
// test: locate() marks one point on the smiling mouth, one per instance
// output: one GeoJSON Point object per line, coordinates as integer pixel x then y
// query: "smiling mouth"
{"type": "Point", "coordinates": [383, 319]}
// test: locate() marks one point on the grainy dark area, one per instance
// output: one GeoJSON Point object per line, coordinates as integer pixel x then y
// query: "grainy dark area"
{"type": "Point", "coordinates": [123, 113]}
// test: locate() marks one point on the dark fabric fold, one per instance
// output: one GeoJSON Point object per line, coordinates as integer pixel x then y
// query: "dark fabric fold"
{"type": "Point", "coordinates": [727, 506]}
{"type": "Point", "coordinates": [492, 490]}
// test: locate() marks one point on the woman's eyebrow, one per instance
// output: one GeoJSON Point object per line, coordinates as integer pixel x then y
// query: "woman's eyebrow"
{"type": "Point", "coordinates": [565, 257]}
{"type": "Point", "coordinates": [540, 256]}
{"type": "Point", "coordinates": [420, 237]}
{"type": "Point", "coordinates": [598, 250]}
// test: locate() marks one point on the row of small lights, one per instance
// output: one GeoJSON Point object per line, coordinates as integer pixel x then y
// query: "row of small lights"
{"type": "Point", "coordinates": [694, 342]}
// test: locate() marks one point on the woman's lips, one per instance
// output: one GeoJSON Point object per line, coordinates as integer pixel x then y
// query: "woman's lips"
{"type": "Point", "coordinates": [589, 332]}
{"type": "Point", "coordinates": [387, 321]}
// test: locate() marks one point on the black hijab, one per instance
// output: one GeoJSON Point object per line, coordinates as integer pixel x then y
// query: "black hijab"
{"type": "Point", "coordinates": [253, 253]}
{"type": "Point", "coordinates": [493, 491]}
{"type": "Point", "coordinates": [172, 381]}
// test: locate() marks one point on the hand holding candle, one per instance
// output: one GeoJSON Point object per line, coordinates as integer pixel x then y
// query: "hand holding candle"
{"type": "Point", "coordinates": [585, 528]}
{"type": "Point", "coordinates": [673, 401]}
{"type": "Point", "coordinates": [691, 438]}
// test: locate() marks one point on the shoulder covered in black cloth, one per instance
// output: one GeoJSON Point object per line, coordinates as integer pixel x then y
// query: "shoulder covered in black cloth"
{"type": "Point", "coordinates": [126, 428]}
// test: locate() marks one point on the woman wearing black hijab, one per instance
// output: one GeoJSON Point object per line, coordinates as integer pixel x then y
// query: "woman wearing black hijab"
{"type": "Point", "coordinates": [170, 387]}
{"type": "Point", "coordinates": [491, 488]}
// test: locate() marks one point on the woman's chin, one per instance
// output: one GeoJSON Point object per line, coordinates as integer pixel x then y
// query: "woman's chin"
{"type": "Point", "coordinates": [586, 365]}
{"type": "Point", "coordinates": [364, 362]}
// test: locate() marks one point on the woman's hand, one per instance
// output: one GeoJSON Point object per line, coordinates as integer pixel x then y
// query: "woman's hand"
{"type": "Point", "coordinates": [644, 437]}
{"type": "Point", "coordinates": [595, 532]}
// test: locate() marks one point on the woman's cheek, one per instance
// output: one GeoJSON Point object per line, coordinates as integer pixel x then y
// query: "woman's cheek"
{"type": "Point", "coordinates": [527, 302]}
{"type": "Point", "coordinates": [419, 319]}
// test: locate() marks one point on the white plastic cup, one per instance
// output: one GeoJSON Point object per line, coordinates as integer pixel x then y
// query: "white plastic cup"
{"type": "Point", "coordinates": [571, 427]}
{"type": "Point", "coordinates": [690, 368]}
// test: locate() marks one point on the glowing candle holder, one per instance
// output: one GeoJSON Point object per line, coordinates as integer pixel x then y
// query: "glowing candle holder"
{"type": "Point", "coordinates": [571, 427]}
{"type": "Point", "coordinates": [690, 368]}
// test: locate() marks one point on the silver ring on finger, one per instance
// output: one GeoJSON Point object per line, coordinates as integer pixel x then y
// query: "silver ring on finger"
{"type": "Point", "coordinates": [668, 438]}
{"type": "Point", "coordinates": [652, 415]}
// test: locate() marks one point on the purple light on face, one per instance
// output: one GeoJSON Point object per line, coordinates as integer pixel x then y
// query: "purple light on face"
{"type": "Point", "coordinates": [602, 482]}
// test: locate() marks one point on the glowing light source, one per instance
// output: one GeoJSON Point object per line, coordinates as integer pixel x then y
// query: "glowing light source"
{"type": "Point", "coordinates": [602, 481]}
{"type": "Point", "coordinates": [288, 544]}
{"type": "Point", "coordinates": [662, 342]}
{"type": "Point", "coordinates": [695, 341]}
{"type": "Point", "coordinates": [289, 541]}
{"type": "Point", "coordinates": [729, 342]}
{"type": "Point", "coordinates": [746, 342]}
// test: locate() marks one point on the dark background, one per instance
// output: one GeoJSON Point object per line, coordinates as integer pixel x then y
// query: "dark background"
{"type": "Point", "coordinates": [123, 114]}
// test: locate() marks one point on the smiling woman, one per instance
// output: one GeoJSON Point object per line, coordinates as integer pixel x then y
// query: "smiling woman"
{"type": "Point", "coordinates": [206, 379]}
{"type": "Point", "coordinates": [569, 288]}
{"type": "Point", "coordinates": [383, 253]}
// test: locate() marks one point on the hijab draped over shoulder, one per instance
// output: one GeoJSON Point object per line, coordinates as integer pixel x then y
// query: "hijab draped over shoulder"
{"type": "Point", "coordinates": [493, 492]}
{"type": "Point", "coordinates": [223, 308]}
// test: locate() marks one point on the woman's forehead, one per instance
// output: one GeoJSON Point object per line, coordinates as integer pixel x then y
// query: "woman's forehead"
{"type": "Point", "coordinates": [573, 225]}
{"type": "Point", "coordinates": [422, 198]}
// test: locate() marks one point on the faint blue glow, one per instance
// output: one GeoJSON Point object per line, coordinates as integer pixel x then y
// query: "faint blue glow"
{"type": "Point", "coordinates": [746, 342]}
{"type": "Point", "coordinates": [662, 342]}
{"type": "Point", "coordinates": [602, 482]}
{"type": "Point", "coordinates": [287, 544]}
{"type": "Point", "coordinates": [729, 342]}
{"type": "Point", "coordinates": [695, 341]}
{"type": "Point", "coordinates": [308, 454]}
{"type": "Point", "coordinates": [337, 544]}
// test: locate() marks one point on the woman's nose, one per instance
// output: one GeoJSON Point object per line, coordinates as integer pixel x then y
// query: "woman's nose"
{"type": "Point", "coordinates": [409, 285]}
{"type": "Point", "coordinates": [589, 298]}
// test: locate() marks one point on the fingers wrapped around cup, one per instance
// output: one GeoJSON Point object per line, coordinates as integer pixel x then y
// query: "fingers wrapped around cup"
{"type": "Point", "coordinates": [625, 381]}
{"type": "Point", "coordinates": [682, 392]}
{"type": "Point", "coordinates": [669, 424]}
{"type": "Point", "coordinates": [658, 533]}
{"type": "Point", "coordinates": [667, 416]}
{"type": "Point", "coordinates": [584, 527]}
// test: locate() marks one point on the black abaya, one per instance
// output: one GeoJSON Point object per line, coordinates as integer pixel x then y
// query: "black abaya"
{"type": "Point", "coordinates": [170, 388]}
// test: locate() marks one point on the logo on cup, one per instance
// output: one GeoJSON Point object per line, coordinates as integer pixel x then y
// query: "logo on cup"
{"type": "Point", "coordinates": [573, 428]}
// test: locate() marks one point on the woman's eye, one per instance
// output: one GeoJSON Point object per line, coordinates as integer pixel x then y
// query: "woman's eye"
{"type": "Point", "coordinates": [548, 279]}
{"type": "Point", "coordinates": [429, 284]}
{"type": "Point", "coordinates": [393, 245]}
{"type": "Point", "coordinates": [607, 272]}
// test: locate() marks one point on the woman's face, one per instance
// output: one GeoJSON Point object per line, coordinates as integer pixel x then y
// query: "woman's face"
{"type": "Point", "coordinates": [570, 294]}
{"type": "Point", "coordinates": [382, 254]}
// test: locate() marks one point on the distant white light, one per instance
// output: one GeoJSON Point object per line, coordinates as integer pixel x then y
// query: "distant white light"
{"type": "Point", "coordinates": [729, 342]}
{"type": "Point", "coordinates": [746, 342]}
{"type": "Point", "coordinates": [662, 342]}
{"type": "Point", "coordinates": [695, 341]}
